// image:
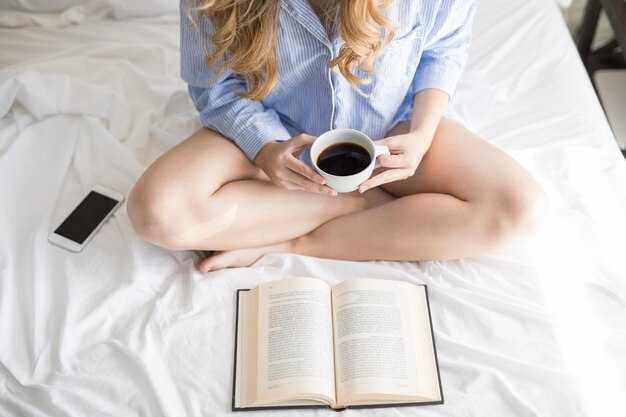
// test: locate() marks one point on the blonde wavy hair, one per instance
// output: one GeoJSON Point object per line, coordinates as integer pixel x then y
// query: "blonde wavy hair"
{"type": "Point", "coordinates": [246, 40]}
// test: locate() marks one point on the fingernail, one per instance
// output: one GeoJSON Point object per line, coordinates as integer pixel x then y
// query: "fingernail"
{"type": "Point", "coordinates": [362, 190]}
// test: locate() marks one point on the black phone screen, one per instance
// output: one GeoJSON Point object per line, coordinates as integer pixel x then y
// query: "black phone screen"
{"type": "Point", "coordinates": [86, 217]}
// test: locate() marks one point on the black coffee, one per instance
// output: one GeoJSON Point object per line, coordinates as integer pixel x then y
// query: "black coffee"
{"type": "Point", "coordinates": [344, 159]}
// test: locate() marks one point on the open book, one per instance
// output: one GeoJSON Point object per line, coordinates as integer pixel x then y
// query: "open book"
{"type": "Point", "coordinates": [362, 343]}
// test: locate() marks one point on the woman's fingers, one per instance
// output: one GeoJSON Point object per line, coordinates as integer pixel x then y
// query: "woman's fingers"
{"type": "Point", "coordinates": [293, 174]}
{"type": "Point", "coordinates": [385, 177]}
{"type": "Point", "coordinates": [303, 169]}
{"type": "Point", "coordinates": [393, 161]}
{"type": "Point", "coordinates": [389, 141]}
{"type": "Point", "coordinates": [293, 163]}
{"type": "Point", "coordinates": [303, 183]}
{"type": "Point", "coordinates": [302, 140]}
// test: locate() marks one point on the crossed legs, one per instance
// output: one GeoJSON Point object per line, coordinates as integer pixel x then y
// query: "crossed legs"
{"type": "Point", "coordinates": [465, 198]}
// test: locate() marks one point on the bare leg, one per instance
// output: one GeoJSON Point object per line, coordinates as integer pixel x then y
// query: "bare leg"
{"type": "Point", "coordinates": [465, 198]}
{"type": "Point", "coordinates": [205, 194]}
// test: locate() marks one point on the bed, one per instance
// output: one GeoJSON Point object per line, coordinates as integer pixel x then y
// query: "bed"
{"type": "Point", "coordinates": [125, 328]}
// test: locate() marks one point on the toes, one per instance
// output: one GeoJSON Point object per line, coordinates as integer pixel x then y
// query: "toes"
{"type": "Point", "coordinates": [232, 259]}
{"type": "Point", "coordinates": [210, 263]}
{"type": "Point", "coordinates": [205, 265]}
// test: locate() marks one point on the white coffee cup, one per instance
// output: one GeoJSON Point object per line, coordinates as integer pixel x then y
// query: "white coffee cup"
{"type": "Point", "coordinates": [348, 183]}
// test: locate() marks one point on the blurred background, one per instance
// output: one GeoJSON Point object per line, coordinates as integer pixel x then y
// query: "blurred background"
{"type": "Point", "coordinates": [599, 29]}
{"type": "Point", "coordinates": [573, 14]}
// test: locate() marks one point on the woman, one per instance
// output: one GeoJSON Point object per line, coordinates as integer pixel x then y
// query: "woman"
{"type": "Point", "coordinates": [268, 77]}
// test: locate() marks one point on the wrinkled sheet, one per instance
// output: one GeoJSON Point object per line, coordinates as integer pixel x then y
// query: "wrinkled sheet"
{"type": "Point", "coordinates": [125, 328]}
{"type": "Point", "coordinates": [65, 13]}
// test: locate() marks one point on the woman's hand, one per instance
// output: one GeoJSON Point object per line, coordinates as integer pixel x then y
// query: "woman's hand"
{"type": "Point", "coordinates": [279, 160]}
{"type": "Point", "coordinates": [406, 150]}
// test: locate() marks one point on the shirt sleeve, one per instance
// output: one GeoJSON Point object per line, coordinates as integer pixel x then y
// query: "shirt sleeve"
{"type": "Point", "coordinates": [445, 51]}
{"type": "Point", "coordinates": [246, 122]}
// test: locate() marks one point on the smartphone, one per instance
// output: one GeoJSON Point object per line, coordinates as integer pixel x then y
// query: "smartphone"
{"type": "Point", "coordinates": [82, 224]}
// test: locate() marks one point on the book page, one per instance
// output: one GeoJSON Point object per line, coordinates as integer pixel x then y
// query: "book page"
{"type": "Point", "coordinates": [375, 339]}
{"type": "Point", "coordinates": [295, 350]}
{"type": "Point", "coordinates": [247, 336]}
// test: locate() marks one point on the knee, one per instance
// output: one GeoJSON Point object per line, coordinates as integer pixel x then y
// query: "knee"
{"type": "Point", "coordinates": [154, 216]}
{"type": "Point", "coordinates": [515, 212]}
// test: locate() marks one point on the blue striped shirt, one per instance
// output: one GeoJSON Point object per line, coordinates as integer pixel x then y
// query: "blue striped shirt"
{"type": "Point", "coordinates": [428, 51]}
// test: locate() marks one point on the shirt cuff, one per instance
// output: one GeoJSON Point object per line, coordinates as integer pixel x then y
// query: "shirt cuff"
{"type": "Point", "coordinates": [257, 135]}
{"type": "Point", "coordinates": [440, 73]}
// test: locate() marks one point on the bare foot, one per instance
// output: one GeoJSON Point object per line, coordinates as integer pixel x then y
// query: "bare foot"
{"type": "Point", "coordinates": [247, 256]}
{"type": "Point", "coordinates": [242, 257]}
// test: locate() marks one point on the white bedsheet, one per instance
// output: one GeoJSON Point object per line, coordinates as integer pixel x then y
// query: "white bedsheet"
{"type": "Point", "coordinates": [128, 329]}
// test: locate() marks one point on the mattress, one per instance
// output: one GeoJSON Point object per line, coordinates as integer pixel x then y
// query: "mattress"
{"type": "Point", "coordinates": [125, 328]}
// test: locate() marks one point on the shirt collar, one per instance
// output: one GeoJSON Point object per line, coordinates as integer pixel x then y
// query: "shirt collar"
{"type": "Point", "coordinates": [303, 13]}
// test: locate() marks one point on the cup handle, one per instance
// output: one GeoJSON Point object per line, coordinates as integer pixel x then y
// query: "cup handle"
{"type": "Point", "coordinates": [380, 150]}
